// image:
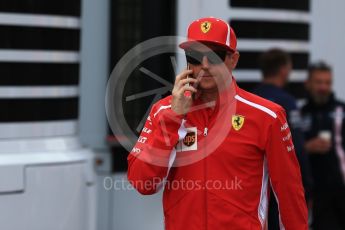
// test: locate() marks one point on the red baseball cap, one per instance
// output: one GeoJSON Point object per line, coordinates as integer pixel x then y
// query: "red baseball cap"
{"type": "Point", "coordinates": [211, 31]}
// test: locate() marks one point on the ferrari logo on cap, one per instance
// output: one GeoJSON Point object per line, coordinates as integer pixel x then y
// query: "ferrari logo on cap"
{"type": "Point", "coordinates": [205, 26]}
{"type": "Point", "coordinates": [237, 122]}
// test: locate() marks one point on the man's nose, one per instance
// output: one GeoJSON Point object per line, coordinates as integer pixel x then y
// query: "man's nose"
{"type": "Point", "coordinates": [205, 63]}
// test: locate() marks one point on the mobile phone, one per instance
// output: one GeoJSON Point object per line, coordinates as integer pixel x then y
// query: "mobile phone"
{"type": "Point", "coordinates": [188, 93]}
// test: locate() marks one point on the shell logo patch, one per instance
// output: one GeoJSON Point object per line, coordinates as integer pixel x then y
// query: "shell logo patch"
{"type": "Point", "coordinates": [205, 27]}
{"type": "Point", "coordinates": [237, 121]}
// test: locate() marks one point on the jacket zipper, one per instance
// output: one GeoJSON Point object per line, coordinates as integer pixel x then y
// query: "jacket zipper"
{"type": "Point", "coordinates": [205, 131]}
{"type": "Point", "coordinates": [205, 175]}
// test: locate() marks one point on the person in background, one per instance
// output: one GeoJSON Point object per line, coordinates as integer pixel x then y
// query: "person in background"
{"type": "Point", "coordinates": [276, 65]}
{"type": "Point", "coordinates": [324, 130]}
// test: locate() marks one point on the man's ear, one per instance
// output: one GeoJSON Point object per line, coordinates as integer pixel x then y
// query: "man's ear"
{"type": "Point", "coordinates": [234, 59]}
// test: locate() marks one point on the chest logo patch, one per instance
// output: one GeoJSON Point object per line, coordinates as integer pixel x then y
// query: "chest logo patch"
{"type": "Point", "coordinates": [237, 121]}
{"type": "Point", "coordinates": [189, 139]}
{"type": "Point", "coordinates": [189, 142]}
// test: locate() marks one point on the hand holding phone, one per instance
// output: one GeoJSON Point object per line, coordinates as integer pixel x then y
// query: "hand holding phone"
{"type": "Point", "coordinates": [181, 103]}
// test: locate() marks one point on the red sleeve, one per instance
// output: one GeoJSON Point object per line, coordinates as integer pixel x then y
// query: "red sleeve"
{"type": "Point", "coordinates": [285, 175]}
{"type": "Point", "coordinates": [149, 158]}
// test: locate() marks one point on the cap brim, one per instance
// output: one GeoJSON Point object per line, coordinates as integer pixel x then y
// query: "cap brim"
{"type": "Point", "coordinates": [188, 44]}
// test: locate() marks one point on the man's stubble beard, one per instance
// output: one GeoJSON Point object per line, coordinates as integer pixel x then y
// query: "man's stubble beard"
{"type": "Point", "coordinates": [321, 100]}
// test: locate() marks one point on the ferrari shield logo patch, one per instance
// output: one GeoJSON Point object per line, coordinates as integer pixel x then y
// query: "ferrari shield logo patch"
{"type": "Point", "coordinates": [205, 27]}
{"type": "Point", "coordinates": [237, 122]}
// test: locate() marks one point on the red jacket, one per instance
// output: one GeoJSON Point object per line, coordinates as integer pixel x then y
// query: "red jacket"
{"type": "Point", "coordinates": [215, 164]}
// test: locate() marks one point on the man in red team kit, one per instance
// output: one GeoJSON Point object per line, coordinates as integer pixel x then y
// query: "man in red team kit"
{"type": "Point", "coordinates": [215, 151]}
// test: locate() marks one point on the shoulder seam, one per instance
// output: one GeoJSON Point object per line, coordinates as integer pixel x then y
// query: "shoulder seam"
{"type": "Point", "coordinates": [161, 108]}
{"type": "Point", "coordinates": [257, 106]}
